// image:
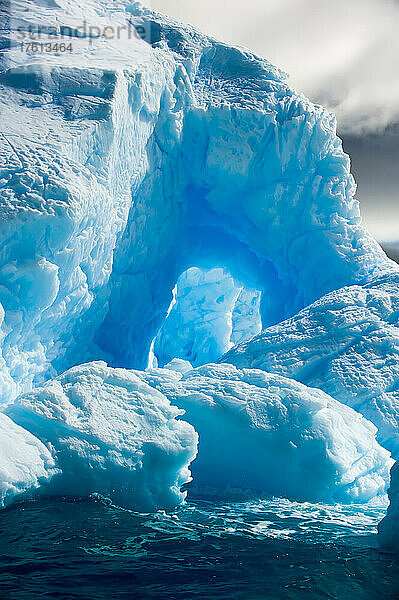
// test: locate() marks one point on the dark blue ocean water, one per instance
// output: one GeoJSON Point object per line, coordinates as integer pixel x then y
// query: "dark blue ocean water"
{"type": "Point", "coordinates": [247, 550]}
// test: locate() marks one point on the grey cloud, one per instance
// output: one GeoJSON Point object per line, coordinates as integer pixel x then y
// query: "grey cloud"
{"type": "Point", "coordinates": [342, 53]}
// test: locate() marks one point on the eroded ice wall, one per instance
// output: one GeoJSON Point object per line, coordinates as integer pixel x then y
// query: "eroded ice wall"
{"type": "Point", "coordinates": [124, 164]}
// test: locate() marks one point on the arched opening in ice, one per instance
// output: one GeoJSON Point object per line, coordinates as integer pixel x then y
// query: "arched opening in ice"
{"type": "Point", "coordinates": [157, 160]}
{"type": "Point", "coordinates": [273, 207]}
{"type": "Point", "coordinates": [189, 154]}
{"type": "Point", "coordinates": [210, 313]}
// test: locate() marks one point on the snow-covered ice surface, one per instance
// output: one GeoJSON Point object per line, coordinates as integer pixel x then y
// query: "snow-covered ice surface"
{"type": "Point", "coordinates": [25, 463]}
{"type": "Point", "coordinates": [346, 344]}
{"type": "Point", "coordinates": [111, 434]}
{"type": "Point", "coordinates": [269, 433]}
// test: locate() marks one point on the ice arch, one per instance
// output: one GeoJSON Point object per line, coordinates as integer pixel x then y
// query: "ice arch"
{"type": "Point", "coordinates": [157, 158]}
{"type": "Point", "coordinates": [244, 173]}
{"type": "Point", "coordinates": [210, 313]}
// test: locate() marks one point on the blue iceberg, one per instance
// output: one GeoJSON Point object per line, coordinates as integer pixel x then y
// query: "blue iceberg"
{"type": "Point", "coordinates": [158, 158]}
{"type": "Point", "coordinates": [163, 199]}
{"type": "Point", "coordinates": [26, 464]}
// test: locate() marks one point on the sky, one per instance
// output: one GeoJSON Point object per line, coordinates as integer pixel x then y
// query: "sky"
{"type": "Point", "coordinates": [341, 53]}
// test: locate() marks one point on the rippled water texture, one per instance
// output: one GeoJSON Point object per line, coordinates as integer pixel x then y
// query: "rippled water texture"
{"type": "Point", "coordinates": [253, 550]}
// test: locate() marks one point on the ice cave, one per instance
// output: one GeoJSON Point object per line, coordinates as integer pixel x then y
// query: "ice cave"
{"type": "Point", "coordinates": [188, 297]}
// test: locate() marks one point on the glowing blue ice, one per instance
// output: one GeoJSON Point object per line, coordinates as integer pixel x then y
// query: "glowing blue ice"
{"type": "Point", "coordinates": [209, 315]}
{"type": "Point", "coordinates": [125, 164]}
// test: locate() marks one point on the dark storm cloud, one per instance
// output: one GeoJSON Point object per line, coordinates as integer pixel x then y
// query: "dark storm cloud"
{"type": "Point", "coordinates": [375, 165]}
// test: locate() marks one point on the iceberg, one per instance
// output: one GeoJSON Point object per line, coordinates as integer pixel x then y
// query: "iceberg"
{"type": "Point", "coordinates": [388, 529]}
{"type": "Point", "coordinates": [111, 434]}
{"type": "Point", "coordinates": [268, 433]}
{"type": "Point", "coordinates": [128, 162]}
{"type": "Point", "coordinates": [121, 434]}
{"type": "Point", "coordinates": [159, 155]}
{"type": "Point", "coordinates": [26, 464]}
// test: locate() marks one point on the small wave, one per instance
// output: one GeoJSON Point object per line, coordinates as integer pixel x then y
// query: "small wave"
{"type": "Point", "coordinates": [274, 518]}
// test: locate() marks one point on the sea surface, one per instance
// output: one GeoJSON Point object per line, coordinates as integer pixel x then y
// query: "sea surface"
{"type": "Point", "coordinates": [256, 549]}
